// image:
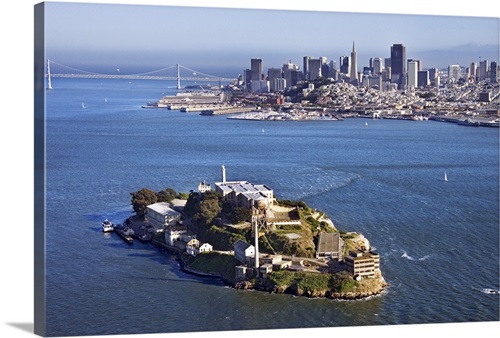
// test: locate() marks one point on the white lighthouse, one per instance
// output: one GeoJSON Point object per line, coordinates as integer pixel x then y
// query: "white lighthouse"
{"type": "Point", "coordinates": [223, 174]}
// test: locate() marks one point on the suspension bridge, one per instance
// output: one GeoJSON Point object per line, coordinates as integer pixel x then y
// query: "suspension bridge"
{"type": "Point", "coordinates": [174, 73]}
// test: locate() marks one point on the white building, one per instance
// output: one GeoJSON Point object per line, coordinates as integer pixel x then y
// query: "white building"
{"type": "Point", "coordinates": [160, 215]}
{"type": "Point", "coordinates": [178, 233]}
{"type": "Point", "coordinates": [194, 247]}
{"type": "Point", "coordinates": [243, 251]}
{"type": "Point", "coordinates": [413, 73]}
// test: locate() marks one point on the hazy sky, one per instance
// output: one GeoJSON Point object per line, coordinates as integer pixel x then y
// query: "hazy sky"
{"type": "Point", "coordinates": [125, 35]}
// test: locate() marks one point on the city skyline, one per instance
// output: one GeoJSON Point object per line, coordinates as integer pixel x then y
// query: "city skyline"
{"type": "Point", "coordinates": [128, 36]}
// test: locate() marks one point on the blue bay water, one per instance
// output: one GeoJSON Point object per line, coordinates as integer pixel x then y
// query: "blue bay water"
{"type": "Point", "coordinates": [439, 241]}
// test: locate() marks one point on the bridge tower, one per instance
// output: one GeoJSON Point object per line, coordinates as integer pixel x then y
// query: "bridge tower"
{"type": "Point", "coordinates": [178, 77]}
{"type": "Point", "coordinates": [49, 82]}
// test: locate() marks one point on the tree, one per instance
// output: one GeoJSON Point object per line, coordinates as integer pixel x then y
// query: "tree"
{"type": "Point", "coordinates": [167, 195]}
{"type": "Point", "coordinates": [141, 199]}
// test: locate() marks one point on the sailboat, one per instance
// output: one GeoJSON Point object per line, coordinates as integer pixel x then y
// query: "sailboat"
{"type": "Point", "coordinates": [445, 177]}
{"type": "Point", "coordinates": [83, 105]}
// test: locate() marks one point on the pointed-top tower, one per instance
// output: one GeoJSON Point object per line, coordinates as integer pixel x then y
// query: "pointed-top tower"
{"type": "Point", "coordinates": [353, 73]}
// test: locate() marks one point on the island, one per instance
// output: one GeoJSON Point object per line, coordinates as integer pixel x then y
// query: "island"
{"type": "Point", "coordinates": [241, 233]}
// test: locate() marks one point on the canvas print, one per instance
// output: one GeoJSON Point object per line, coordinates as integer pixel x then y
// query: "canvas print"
{"type": "Point", "coordinates": [220, 169]}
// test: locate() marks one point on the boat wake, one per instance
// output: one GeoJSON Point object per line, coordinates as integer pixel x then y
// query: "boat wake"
{"type": "Point", "coordinates": [490, 291]}
{"type": "Point", "coordinates": [405, 255]}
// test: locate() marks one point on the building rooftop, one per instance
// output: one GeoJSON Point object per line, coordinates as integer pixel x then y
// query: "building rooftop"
{"type": "Point", "coordinates": [163, 208]}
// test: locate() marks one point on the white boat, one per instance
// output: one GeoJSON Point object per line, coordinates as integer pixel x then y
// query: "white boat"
{"type": "Point", "coordinates": [445, 177]}
{"type": "Point", "coordinates": [107, 226]}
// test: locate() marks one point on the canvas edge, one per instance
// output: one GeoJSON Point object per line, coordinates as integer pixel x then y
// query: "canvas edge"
{"type": "Point", "coordinates": [39, 170]}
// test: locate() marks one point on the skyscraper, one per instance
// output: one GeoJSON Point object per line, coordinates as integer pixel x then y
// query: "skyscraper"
{"type": "Point", "coordinates": [344, 64]}
{"type": "Point", "coordinates": [377, 65]}
{"type": "Point", "coordinates": [483, 70]}
{"type": "Point", "coordinates": [353, 72]}
{"type": "Point", "coordinates": [306, 67]}
{"type": "Point", "coordinates": [413, 66]}
{"type": "Point", "coordinates": [314, 69]}
{"type": "Point", "coordinates": [256, 68]}
{"type": "Point", "coordinates": [398, 63]}
{"type": "Point", "coordinates": [493, 72]}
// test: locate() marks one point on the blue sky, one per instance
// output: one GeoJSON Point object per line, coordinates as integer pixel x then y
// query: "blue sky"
{"type": "Point", "coordinates": [128, 36]}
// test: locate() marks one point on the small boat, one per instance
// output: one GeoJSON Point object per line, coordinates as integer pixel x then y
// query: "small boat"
{"type": "Point", "coordinates": [491, 291]}
{"type": "Point", "coordinates": [445, 177]}
{"type": "Point", "coordinates": [83, 105]}
{"type": "Point", "coordinates": [107, 226]}
{"type": "Point", "coordinates": [126, 234]}
{"type": "Point", "coordinates": [366, 123]}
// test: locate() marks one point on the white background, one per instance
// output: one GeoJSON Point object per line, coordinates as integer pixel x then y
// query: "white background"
{"type": "Point", "coordinates": [16, 109]}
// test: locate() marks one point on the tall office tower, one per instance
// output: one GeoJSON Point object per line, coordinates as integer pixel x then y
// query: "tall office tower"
{"type": "Point", "coordinates": [314, 69]}
{"type": "Point", "coordinates": [398, 63]}
{"type": "Point", "coordinates": [305, 68]}
{"type": "Point", "coordinates": [272, 75]}
{"type": "Point", "coordinates": [377, 65]}
{"type": "Point", "coordinates": [493, 72]}
{"type": "Point", "coordinates": [344, 64]}
{"type": "Point", "coordinates": [483, 70]}
{"type": "Point", "coordinates": [473, 70]}
{"type": "Point", "coordinates": [247, 78]}
{"type": "Point", "coordinates": [412, 73]}
{"type": "Point", "coordinates": [256, 67]}
{"type": "Point", "coordinates": [387, 62]}
{"type": "Point", "coordinates": [323, 59]}
{"type": "Point", "coordinates": [433, 75]}
{"type": "Point", "coordinates": [291, 77]}
{"type": "Point", "coordinates": [333, 65]}
{"type": "Point", "coordinates": [454, 72]}
{"type": "Point", "coordinates": [289, 65]}
{"type": "Point", "coordinates": [353, 71]}
{"type": "Point", "coordinates": [325, 70]}
{"type": "Point", "coordinates": [423, 78]}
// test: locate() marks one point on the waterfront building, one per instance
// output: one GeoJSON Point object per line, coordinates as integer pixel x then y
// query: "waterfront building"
{"type": "Point", "coordinates": [314, 69]}
{"type": "Point", "coordinates": [243, 251]}
{"type": "Point", "coordinates": [423, 78]}
{"type": "Point", "coordinates": [195, 247]}
{"type": "Point", "coordinates": [256, 68]}
{"type": "Point", "coordinates": [178, 236]}
{"type": "Point", "coordinates": [353, 70]}
{"type": "Point", "coordinates": [330, 246]}
{"type": "Point", "coordinates": [363, 264]}
{"type": "Point", "coordinates": [398, 64]}
{"type": "Point", "coordinates": [160, 215]}
{"type": "Point", "coordinates": [493, 72]}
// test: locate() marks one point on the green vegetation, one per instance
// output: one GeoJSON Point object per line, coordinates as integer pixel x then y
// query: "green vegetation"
{"type": "Point", "coordinates": [316, 284]}
{"type": "Point", "coordinates": [141, 199]}
{"type": "Point", "coordinates": [213, 263]}
{"type": "Point", "coordinates": [144, 197]}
